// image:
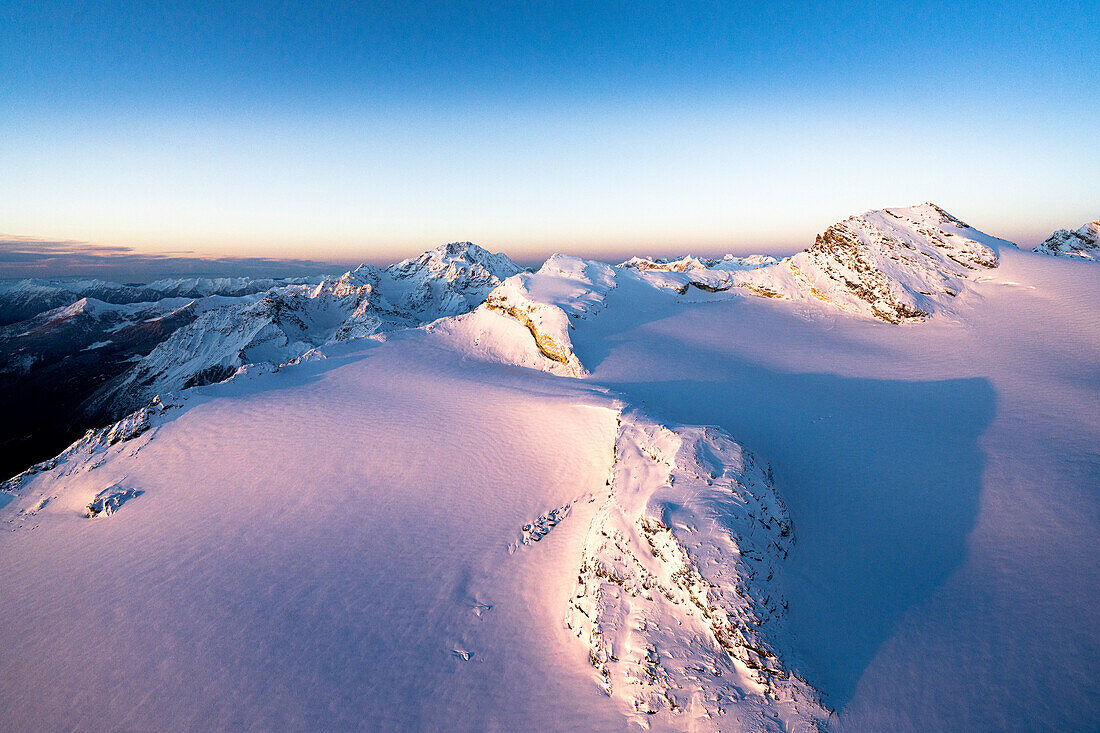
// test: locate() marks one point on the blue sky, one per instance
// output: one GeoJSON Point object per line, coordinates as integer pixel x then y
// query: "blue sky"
{"type": "Point", "coordinates": [337, 131]}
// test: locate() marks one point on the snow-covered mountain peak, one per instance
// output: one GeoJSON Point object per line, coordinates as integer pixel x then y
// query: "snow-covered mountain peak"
{"type": "Point", "coordinates": [898, 264]}
{"type": "Point", "coordinates": [927, 213]}
{"type": "Point", "coordinates": [682, 264]}
{"type": "Point", "coordinates": [446, 281]}
{"type": "Point", "coordinates": [359, 282]}
{"type": "Point", "coordinates": [84, 306]}
{"type": "Point", "coordinates": [1082, 244]}
{"type": "Point", "coordinates": [457, 259]}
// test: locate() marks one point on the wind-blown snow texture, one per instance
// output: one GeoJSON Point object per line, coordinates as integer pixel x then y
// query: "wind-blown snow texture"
{"type": "Point", "coordinates": [727, 496]}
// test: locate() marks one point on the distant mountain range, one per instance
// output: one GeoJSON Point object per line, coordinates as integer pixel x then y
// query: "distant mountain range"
{"type": "Point", "coordinates": [76, 354]}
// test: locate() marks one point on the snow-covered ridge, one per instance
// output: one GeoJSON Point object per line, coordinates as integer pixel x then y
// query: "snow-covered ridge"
{"type": "Point", "coordinates": [893, 265]}
{"type": "Point", "coordinates": [677, 584]}
{"type": "Point", "coordinates": [690, 262]}
{"type": "Point", "coordinates": [286, 322]}
{"type": "Point", "coordinates": [1083, 244]}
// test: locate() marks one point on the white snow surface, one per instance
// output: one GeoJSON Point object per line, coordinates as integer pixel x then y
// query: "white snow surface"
{"type": "Point", "coordinates": [699, 510]}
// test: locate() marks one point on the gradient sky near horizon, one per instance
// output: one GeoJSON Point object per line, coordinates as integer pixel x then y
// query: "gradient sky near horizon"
{"type": "Point", "coordinates": [375, 130]}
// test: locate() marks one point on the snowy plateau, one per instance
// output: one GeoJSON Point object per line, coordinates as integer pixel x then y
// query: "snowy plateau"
{"type": "Point", "coordinates": [853, 489]}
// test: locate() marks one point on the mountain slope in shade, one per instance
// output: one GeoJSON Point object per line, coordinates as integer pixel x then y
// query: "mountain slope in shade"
{"type": "Point", "coordinates": [1083, 244]}
{"type": "Point", "coordinates": [52, 363]}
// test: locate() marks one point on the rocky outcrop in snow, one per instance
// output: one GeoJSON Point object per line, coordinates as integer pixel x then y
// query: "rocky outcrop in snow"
{"type": "Point", "coordinates": [545, 303]}
{"type": "Point", "coordinates": [109, 501]}
{"type": "Point", "coordinates": [1083, 244]}
{"type": "Point", "coordinates": [895, 265]}
{"type": "Point", "coordinates": [677, 585]}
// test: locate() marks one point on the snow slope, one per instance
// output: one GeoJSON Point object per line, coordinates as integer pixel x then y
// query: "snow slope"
{"type": "Point", "coordinates": [1082, 244]}
{"type": "Point", "coordinates": [410, 549]}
